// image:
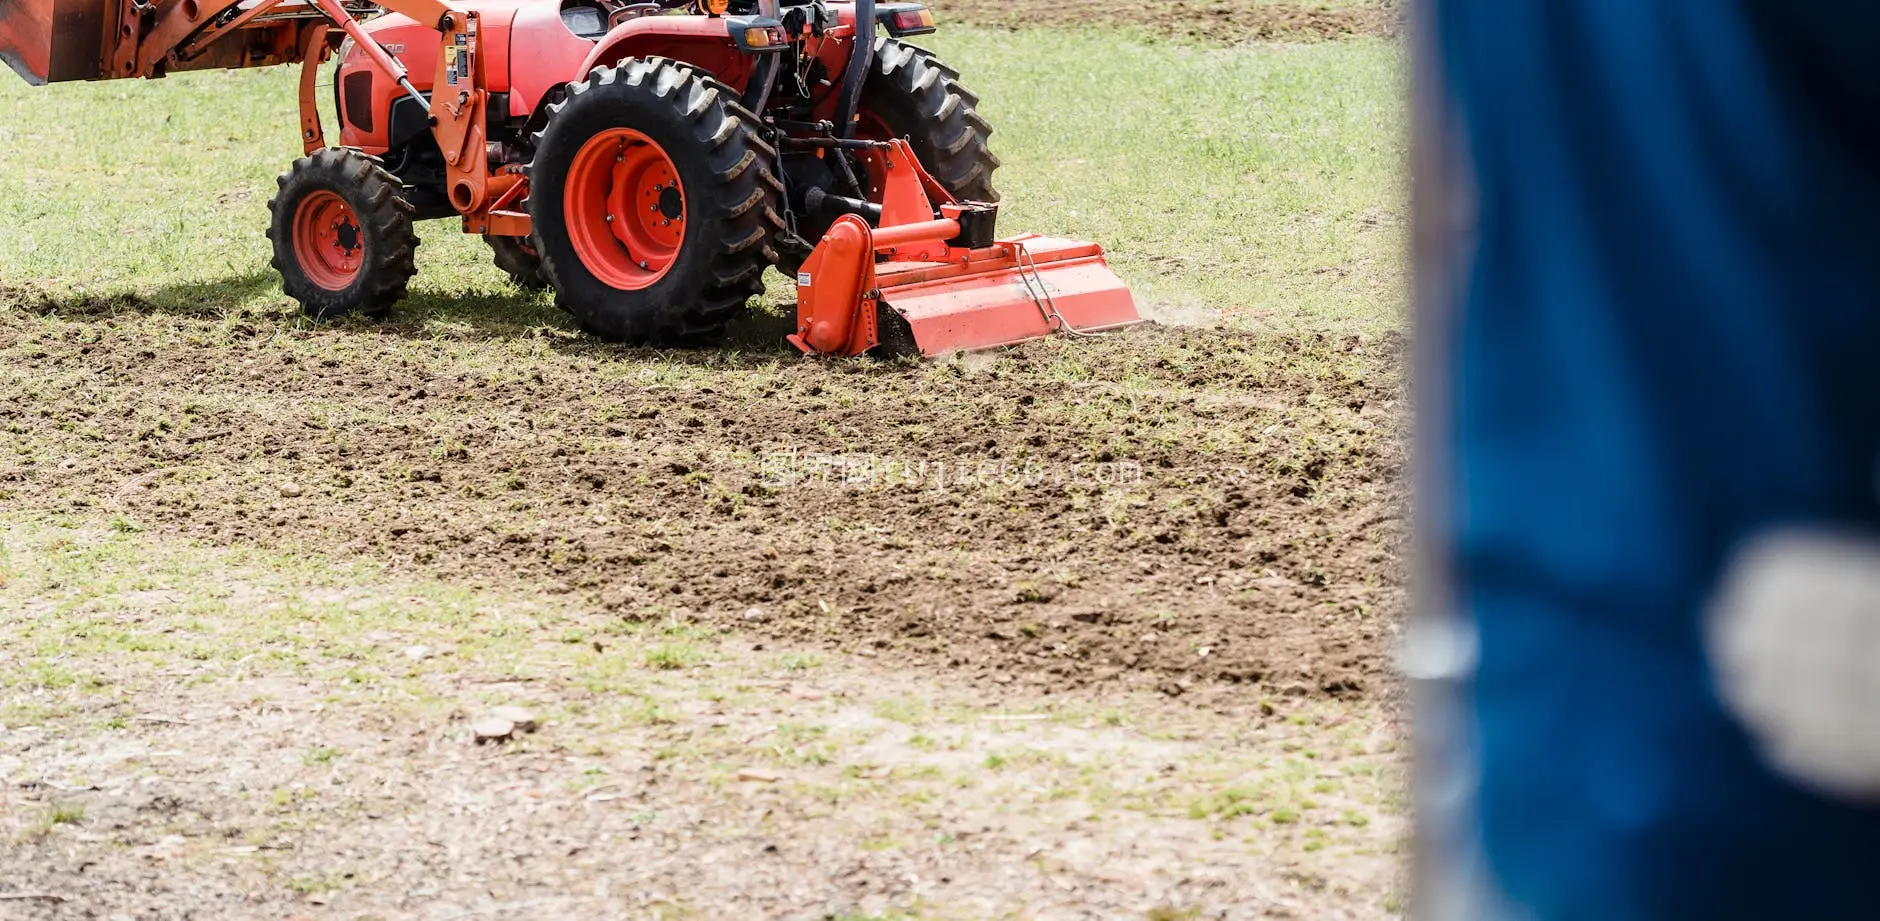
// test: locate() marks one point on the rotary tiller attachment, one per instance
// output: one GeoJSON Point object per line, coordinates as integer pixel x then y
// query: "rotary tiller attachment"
{"type": "Point", "coordinates": [929, 280]}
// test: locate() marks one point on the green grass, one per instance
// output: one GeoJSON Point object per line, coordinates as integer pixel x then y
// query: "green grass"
{"type": "Point", "coordinates": [1171, 913]}
{"type": "Point", "coordinates": [320, 755]}
{"type": "Point", "coordinates": [1262, 182]}
{"type": "Point", "coordinates": [55, 816]}
{"type": "Point", "coordinates": [1246, 180]}
{"type": "Point", "coordinates": [673, 655]}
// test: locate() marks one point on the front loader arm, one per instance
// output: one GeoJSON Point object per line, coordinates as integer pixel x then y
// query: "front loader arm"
{"type": "Point", "coordinates": [457, 108]}
{"type": "Point", "coordinates": [440, 15]}
{"type": "Point", "coordinates": [181, 31]}
{"type": "Point", "coordinates": [153, 42]}
{"type": "Point", "coordinates": [59, 40]}
{"type": "Point", "coordinates": [313, 50]}
{"type": "Point", "coordinates": [51, 41]}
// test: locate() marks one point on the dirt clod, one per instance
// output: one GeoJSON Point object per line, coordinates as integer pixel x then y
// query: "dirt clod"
{"type": "Point", "coordinates": [521, 719]}
{"type": "Point", "coordinates": [492, 729]}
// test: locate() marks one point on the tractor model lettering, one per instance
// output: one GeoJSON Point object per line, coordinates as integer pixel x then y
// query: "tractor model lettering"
{"type": "Point", "coordinates": [646, 160]}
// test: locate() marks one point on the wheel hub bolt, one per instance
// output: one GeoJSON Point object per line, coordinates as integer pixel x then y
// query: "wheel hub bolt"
{"type": "Point", "coordinates": [643, 264]}
{"type": "Point", "coordinates": [610, 219]}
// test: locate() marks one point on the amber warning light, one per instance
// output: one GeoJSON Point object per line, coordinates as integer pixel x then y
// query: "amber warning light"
{"type": "Point", "coordinates": [907, 22]}
{"type": "Point", "coordinates": [765, 37]}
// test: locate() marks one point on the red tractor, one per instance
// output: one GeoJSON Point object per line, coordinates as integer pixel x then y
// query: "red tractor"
{"type": "Point", "coordinates": [648, 161]}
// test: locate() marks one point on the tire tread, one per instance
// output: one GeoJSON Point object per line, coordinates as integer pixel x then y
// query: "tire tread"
{"type": "Point", "coordinates": [378, 201]}
{"type": "Point", "coordinates": [726, 137]}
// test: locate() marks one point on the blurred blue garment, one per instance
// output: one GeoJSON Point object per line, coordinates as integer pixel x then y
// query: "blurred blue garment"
{"type": "Point", "coordinates": [1659, 335]}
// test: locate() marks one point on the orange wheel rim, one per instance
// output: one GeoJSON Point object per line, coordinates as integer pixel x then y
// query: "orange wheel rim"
{"type": "Point", "coordinates": [328, 242]}
{"type": "Point", "coordinates": [625, 209]}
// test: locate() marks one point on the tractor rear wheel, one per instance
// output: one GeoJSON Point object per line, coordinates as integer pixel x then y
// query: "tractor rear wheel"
{"type": "Point", "coordinates": [654, 201]}
{"type": "Point", "coordinates": [912, 95]}
{"type": "Point", "coordinates": [519, 259]}
{"type": "Point", "coordinates": [342, 236]}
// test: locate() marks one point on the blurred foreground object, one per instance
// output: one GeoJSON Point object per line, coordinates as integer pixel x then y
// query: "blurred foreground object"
{"type": "Point", "coordinates": [1648, 642]}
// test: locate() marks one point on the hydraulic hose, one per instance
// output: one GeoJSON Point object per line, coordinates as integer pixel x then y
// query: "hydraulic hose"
{"type": "Point", "coordinates": [860, 61]}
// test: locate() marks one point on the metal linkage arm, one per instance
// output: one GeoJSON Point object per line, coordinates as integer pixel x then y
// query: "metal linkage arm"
{"type": "Point", "coordinates": [427, 11]}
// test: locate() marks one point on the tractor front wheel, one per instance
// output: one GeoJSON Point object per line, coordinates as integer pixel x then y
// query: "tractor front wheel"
{"type": "Point", "coordinates": [654, 202]}
{"type": "Point", "coordinates": [342, 236]}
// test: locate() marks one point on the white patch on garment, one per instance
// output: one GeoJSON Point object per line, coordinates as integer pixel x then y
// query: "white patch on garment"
{"type": "Point", "coordinates": [1794, 640]}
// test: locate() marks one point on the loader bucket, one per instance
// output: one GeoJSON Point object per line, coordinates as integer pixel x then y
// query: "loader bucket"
{"type": "Point", "coordinates": [930, 281]}
{"type": "Point", "coordinates": [50, 41]}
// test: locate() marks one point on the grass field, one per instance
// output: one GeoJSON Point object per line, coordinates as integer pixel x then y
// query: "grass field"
{"type": "Point", "coordinates": [259, 577]}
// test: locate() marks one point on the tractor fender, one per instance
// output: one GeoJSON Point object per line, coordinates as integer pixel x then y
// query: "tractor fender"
{"type": "Point", "coordinates": [543, 56]}
{"type": "Point", "coordinates": [701, 41]}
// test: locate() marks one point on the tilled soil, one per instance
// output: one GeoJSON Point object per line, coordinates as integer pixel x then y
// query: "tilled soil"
{"type": "Point", "coordinates": [1221, 22]}
{"type": "Point", "coordinates": [1211, 513]}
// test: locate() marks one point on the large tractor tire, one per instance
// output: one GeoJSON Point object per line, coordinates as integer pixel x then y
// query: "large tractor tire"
{"type": "Point", "coordinates": [912, 95]}
{"type": "Point", "coordinates": [341, 229]}
{"type": "Point", "coordinates": [519, 259]}
{"type": "Point", "coordinates": [654, 201]}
